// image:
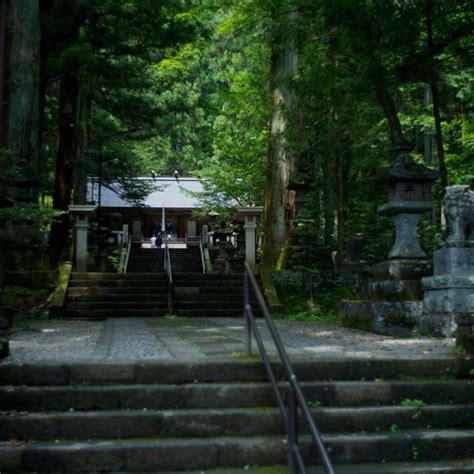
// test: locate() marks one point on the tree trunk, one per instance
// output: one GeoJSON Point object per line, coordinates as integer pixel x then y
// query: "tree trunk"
{"type": "Point", "coordinates": [436, 108]}
{"type": "Point", "coordinates": [278, 198]}
{"type": "Point", "coordinates": [4, 58]}
{"type": "Point", "coordinates": [328, 204]}
{"type": "Point", "coordinates": [339, 201]}
{"type": "Point", "coordinates": [386, 101]}
{"type": "Point", "coordinates": [45, 9]}
{"type": "Point", "coordinates": [23, 84]}
{"type": "Point", "coordinates": [83, 115]}
{"type": "Point", "coordinates": [384, 97]}
{"type": "Point", "coordinates": [427, 137]}
{"type": "Point", "coordinates": [65, 158]}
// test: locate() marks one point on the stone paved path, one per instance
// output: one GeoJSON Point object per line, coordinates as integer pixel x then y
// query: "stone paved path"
{"type": "Point", "coordinates": [200, 338]}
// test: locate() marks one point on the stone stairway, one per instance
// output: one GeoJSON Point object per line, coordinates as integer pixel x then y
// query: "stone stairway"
{"type": "Point", "coordinates": [151, 260]}
{"type": "Point", "coordinates": [146, 260]}
{"type": "Point", "coordinates": [208, 295]}
{"type": "Point", "coordinates": [195, 416]}
{"type": "Point", "coordinates": [186, 260]}
{"type": "Point", "coordinates": [114, 295]}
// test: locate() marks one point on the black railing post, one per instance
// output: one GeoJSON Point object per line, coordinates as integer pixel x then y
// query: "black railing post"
{"type": "Point", "coordinates": [169, 273]}
{"type": "Point", "coordinates": [292, 413]}
{"type": "Point", "coordinates": [247, 326]}
{"type": "Point", "coordinates": [295, 399]}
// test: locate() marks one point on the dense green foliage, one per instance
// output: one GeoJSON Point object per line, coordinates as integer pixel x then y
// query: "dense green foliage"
{"type": "Point", "coordinates": [198, 78]}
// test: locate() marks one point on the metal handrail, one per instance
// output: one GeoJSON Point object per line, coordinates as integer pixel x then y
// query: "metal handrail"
{"type": "Point", "coordinates": [169, 272]}
{"type": "Point", "coordinates": [127, 255]}
{"type": "Point", "coordinates": [203, 260]}
{"type": "Point", "coordinates": [295, 396]}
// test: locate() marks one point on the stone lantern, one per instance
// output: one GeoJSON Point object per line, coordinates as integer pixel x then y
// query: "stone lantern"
{"type": "Point", "coordinates": [391, 302]}
{"type": "Point", "coordinates": [251, 214]}
{"type": "Point", "coordinates": [81, 214]}
{"type": "Point", "coordinates": [409, 197]}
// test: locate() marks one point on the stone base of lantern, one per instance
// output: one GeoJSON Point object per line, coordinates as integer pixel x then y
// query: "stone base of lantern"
{"type": "Point", "coordinates": [389, 318]}
{"type": "Point", "coordinates": [401, 269]}
{"type": "Point", "coordinates": [391, 303]}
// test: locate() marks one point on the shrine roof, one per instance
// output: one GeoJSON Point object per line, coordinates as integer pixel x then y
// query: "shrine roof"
{"type": "Point", "coordinates": [170, 192]}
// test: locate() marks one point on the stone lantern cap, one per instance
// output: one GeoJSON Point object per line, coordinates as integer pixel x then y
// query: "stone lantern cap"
{"type": "Point", "coordinates": [82, 208]}
{"type": "Point", "coordinates": [82, 212]}
{"type": "Point", "coordinates": [406, 170]}
{"type": "Point", "coordinates": [250, 210]}
{"type": "Point", "coordinates": [406, 182]}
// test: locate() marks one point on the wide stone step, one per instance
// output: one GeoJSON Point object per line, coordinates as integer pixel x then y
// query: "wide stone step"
{"type": "Point", "coordinates": [457, 466]}
{"type": "Point", "coordinates": [146, 263]}
{"type": "Point", "coordinates": [208, 453]}
{"type": "Point", "coordinates": [227, 395]}
{"type": "Point", "coordinates": [116, 290]}
{"type": "Point", "coordinates": [119, 297]}
{"type": "Point", "coordinates": [140, 271]}
{"type": "Point", "coordinates": [215, 286]}
{"type": "Point", "coordinates": [210, 276]}
{"type": "Point", "coordinates": [207, 422]}
{"type": "Point", "coordinates": [208, 313]}
{"type": "Point", "coordinates": [187, 268]}
{"type": "Point", "coordinates": [213, 297]}
{"type": "Point", "coordinates": [209, 303]}
{"type": "Point", "coordinates": [100, 314]}
{"type": "Point", "coordinates": [154, 267]}
{"type": "Point", "coordinates": [114, 305]}
{"type": "Point", "coordinates": [224, 292]}
{"type": "Point", "coordinates": [351, 371]}
{"type": "Point", "coordinates": [150, 282]}
{"type": "Point", "coordinates": [111, 276]}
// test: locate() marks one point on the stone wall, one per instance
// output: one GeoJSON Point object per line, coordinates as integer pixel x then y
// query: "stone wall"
{"type": "Point", "coordinates": [308, 281]}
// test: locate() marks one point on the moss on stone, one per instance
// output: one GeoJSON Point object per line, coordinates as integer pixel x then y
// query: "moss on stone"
{"type": "Point", "coordinates": [269, 289]}
{"type": "Point", "coordinates": [59, 294]}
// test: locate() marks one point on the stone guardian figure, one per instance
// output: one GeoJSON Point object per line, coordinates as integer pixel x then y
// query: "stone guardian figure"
{"type": "Point", "coordinates": [459, 211]}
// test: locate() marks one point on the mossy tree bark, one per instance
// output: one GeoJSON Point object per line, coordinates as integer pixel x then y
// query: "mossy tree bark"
{"type": "Point", "coordinates": [279, 200]}
{"type": "Point", "coordinates": [82, 139]}
{"type": "Point", "coordinates": [65, 158]}
{"type": "Point", "coordinates": [23, 84]}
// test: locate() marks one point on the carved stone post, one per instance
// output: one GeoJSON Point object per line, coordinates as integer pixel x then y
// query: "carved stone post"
{"type": "Point", "coordinates": [251, 215]}
{"type": "Point", "coordinates": [81, 213]}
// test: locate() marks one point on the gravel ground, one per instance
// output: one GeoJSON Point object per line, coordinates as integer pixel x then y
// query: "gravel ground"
{"type": "Point", "coordinates": [55, 340]}
{"type": "Point", "coordinates": [195, 338]}
{"type": "Point", "coordinates": [306, 338]}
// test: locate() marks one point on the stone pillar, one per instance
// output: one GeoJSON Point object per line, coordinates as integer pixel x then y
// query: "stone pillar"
{"type": "Point", "coordinates": [250, 227]}
{"type": "Point", "coordinates": [81, 213]}
{"type": "Point", "coordinates": [251, 215]}
{"type": "Point", "coordinates": [125, 233]}
{"type": "Point", "coordinates": [448, 303]}
{"type": "Point", "coordinates": [210, 239]}
{"type": "Point", "coordinates": [205, 235]}
{"type": "Point", "coordinates": [137, 228]}
{"type": "Point", "coordinates": [191, 228]}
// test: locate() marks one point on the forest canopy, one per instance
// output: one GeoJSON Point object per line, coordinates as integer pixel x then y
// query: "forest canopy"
{"type": "Point", "coordinates": [297, 105]}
